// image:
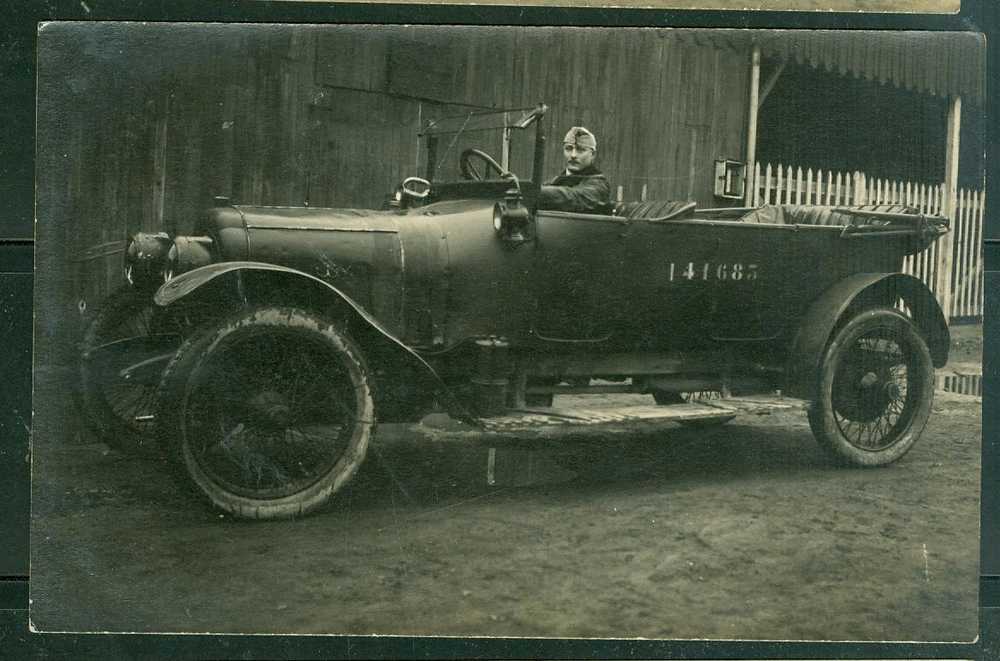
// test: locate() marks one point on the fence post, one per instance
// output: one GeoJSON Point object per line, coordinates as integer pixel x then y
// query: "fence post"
{"type": "Point", "coordinates": [778, 186]}
{"type": "Point", "coordinates": [755, 186]}
{"type": "Point", "coordinates": [860, 188]}
{"type": "Point", "coordinates": [977, 294]}
{"type": "Point", "coordinates": [946, 242]}
{"type": "Point", "coordinates": [767, 184]}
{"type": "Point", "coordinates": [752, 112]}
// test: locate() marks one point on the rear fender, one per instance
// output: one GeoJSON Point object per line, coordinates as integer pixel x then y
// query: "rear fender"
{"type": "Point", "coordinates": [841, 301]}
{"type": "Point", "coordinates": [227, 286]}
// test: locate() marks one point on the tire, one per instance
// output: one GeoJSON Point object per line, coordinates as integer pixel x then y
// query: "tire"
{"type": "Point", "coordinates": [267, 414]}
{"type": "Point", "coordinates": [118, 411]}
{"type": "Point", "coordinates": [875, 390]}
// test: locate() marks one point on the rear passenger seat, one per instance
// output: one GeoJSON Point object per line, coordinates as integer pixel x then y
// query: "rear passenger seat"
{"type": "Point", "coordinates": [790, 214]}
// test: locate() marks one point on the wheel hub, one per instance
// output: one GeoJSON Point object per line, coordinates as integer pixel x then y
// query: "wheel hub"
{"type": "Point", "coordinates": [891, 391]}
{"type": "Point", "coordinates": [868, 380]}
{"type": "Point", "coordinates": [270, 410]}
{"type": "Point", "coordinates": [879, 398]}
{"type": "Point", "coordinates": [865, 394]}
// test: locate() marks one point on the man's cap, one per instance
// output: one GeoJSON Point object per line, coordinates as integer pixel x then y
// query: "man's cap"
{"type": "Point", "coordinates": [580, 137]}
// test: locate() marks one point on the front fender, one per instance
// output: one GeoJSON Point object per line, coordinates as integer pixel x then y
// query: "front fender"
{"type": "Point", "coordinates": [188, 283]}
{"type": "Point", "coordinates": [827, 311]}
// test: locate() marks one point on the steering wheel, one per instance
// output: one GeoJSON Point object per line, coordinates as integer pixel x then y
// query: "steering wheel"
{"type": "Point", "coordinates": [422, 189]}
{"type": "Point", "coordinates": [469, 170]}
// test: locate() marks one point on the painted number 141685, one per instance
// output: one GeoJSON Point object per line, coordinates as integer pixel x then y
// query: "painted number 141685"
{"type": "Point", "coordinates": [709, 271]}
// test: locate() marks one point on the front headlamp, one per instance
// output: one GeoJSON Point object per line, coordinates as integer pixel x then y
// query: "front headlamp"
{"type": "Point", "coordinates": [186, 253]}
{"type": "Point", "coordinates": [144, 258]}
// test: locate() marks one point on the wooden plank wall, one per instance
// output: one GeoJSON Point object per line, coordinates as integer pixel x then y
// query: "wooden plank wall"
{"type": "Point", "coordinates": [329, 117]}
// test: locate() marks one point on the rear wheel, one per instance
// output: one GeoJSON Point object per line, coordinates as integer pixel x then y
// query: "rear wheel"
{"type": "Point", "coordinates": [269, 414]}
{"type": "Point", "coordinates": [876, 387]}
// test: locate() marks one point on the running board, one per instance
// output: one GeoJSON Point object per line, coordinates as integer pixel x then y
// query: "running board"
{"type": "Point", "coordinates": [533, 419]}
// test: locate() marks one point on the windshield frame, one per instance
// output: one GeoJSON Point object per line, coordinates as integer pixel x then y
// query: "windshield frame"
{"type": "Point", "coordinates": [511, 119]}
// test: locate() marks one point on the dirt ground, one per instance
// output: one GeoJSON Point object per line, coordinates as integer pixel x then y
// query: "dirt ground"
{"type": "Point", "coordinates": [743, 532]}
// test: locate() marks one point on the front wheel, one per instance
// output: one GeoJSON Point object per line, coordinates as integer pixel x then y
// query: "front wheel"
{"type": "Point", "coordinates": [876, 387]}
{"type": "Point", "coordinates": [269, 414]}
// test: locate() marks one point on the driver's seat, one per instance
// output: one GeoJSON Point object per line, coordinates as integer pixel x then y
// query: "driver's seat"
{"type": "Point", "coordinates": [656, 210]}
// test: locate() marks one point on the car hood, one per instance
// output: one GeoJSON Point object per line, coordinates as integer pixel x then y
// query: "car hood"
{"type": "Point", "coordinates": [305, 218]}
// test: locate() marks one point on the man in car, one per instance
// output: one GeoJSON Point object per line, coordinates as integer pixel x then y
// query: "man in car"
{"type": "Point", "coordinates": [581, 187]}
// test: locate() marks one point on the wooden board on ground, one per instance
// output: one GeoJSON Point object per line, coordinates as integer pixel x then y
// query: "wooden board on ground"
{"type": "Point", "coordinates": [535, 419]}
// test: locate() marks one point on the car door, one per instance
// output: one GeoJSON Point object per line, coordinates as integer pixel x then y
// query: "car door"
{"type": "Point", "coordinates": [580, 276]}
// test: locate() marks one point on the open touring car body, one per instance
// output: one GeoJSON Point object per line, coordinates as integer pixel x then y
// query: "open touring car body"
{"type": "Point", "coordinates": [466, 295]}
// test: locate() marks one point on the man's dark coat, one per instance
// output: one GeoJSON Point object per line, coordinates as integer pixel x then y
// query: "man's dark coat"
{"type": "Point", "coordinates": [586, 191]}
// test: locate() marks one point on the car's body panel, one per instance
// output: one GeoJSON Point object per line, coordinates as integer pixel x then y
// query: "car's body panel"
{"type": "Point", "coordinates": [227, 227]}
{"type": "Point", "coordinates": [579, 283]}
{"type": "Point", "coordinates": [487, 283]}
{"type": "Point", "coordinates": [357, 252]}
{"type": "Point", "coordinates": [438, 275]}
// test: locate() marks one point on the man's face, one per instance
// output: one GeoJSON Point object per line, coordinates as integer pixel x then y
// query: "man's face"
{"type": "Point", "coordinates": [577, 157]}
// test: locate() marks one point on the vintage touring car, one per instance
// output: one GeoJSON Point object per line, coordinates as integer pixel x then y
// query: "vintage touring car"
{"type": "Point", "coordinates": [261, 351]}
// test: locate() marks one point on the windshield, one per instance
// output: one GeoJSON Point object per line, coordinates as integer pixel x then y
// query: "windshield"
{"type": "Point", "coordinates": [500, 134]}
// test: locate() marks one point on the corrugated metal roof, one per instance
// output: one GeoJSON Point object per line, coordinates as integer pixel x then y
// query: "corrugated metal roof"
{"type": "Point", "coordinates": [943, 64]}
{"type": "Point", "coordinates": [939, 63]}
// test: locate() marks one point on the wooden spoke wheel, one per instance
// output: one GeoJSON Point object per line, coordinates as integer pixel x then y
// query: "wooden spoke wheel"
{"type": "Point", "coordinates": [268, 414]}
{"type": "Point", "coordinates": [876, 387]}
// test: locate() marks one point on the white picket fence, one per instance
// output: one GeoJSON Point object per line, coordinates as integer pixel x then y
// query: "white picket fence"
{"type": "Point", "coordinates": [787, 185]}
